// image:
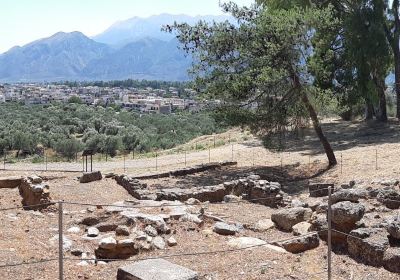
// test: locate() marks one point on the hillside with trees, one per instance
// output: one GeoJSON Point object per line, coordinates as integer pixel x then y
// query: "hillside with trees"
{"type": "Point", "coordinates": [70, 128]}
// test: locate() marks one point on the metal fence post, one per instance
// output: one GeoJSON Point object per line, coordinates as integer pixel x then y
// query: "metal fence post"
{"type": "Point", "coordinates": [329, 233]}
{"type": "Point", "coordinates": [156, 162]}
{"type": "Point", "coordinates": [5, 158]}
{"type": "Point", "coordinates": [341, 163]}
{"type": "Point", "coordinates": [45, 159]}
{"type": "Point", "coordinates": [124, 163]}
{"type": "Point", "coordinates": [214, 141]}
{"type": "Point", "coordinates": [60, 241]}
{"type": "Point", "coordinates": [209, 155]}
{"type": "Point", "coordinates": [185, 158]}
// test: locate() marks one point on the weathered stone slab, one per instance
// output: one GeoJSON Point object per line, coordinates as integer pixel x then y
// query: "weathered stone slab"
{"type": "Point", "coordinates": [10, 182]}
{"type": "Point", "coordinates": [368, 245]}
{"type": "Point", "coordinates": [246, 242]}
{"type": "Point", "coordinates": [90, 177]}
{"type": "Point", "coordinates": [155, 269]}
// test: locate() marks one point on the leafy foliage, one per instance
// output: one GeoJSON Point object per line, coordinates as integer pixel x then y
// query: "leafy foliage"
{"type": "Point", "coordinates": [258, 66]}
{"type": "Point", "coordinates": [70, 128]}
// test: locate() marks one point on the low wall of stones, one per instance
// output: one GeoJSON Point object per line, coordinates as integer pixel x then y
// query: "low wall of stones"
{"type": "Point", "coordinates": [250, 188]}
{"type": "Point", "coordinates": [187, 171]}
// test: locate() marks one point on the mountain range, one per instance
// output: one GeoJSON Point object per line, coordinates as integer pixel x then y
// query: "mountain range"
{"type": "Point", "coordinates": [135, 48]}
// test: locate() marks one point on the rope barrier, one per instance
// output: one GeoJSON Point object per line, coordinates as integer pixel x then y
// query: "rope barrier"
{"type": "Point", "coordinates": [27, 263]}
{"type": "Point", "coordinates": [198, 253]}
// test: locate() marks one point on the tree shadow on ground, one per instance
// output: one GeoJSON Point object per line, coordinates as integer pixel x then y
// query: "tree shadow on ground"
{"type": "Point", "coordinates": [343, 135]}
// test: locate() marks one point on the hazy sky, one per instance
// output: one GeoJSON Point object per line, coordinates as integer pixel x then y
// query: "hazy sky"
{"type": "Point", "coordinates": [22, 21]}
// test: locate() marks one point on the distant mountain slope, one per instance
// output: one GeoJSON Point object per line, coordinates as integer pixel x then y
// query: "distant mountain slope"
{"type": "Point", "coordinates": [148, 58]}
{"type": "Point", "coordinates": [135, 48]}
{"type": "Point", "coordinates": [137, 28]}
{"type": "Point", "coordinates": [61, 56]}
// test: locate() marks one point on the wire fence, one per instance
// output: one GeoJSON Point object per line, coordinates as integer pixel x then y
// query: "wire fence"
{"type": "Point", "coordinates": [61, 258]}
{"type": "Point", "coordinates": [246, 154]}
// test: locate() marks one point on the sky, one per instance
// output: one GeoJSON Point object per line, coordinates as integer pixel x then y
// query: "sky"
{"type": "Point", "coordinates": [23, 21]}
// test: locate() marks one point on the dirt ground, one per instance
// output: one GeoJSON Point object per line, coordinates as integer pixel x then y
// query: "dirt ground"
{"type": "Point", "coordinates": [26, 235]}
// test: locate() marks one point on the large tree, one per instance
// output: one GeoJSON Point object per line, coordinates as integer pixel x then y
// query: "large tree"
{"type": "Point", "coordinates": [352, 57]}
{"type": "Point", "coordinates": [258, 65]}
{"type": "Point", "coordinates": [392, 29]}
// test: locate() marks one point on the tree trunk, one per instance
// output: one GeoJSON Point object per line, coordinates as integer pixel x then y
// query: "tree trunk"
{"type": "Point", "coordinates": [397, 77]}
{"type": "Point", "coordinates": [369, 110]}
{"type": "Point", "coordinates": [393, 39]}
{"type": "Point", "coordinates": [317, 126]}
{"type": "Point", "coordinates": [381, 88]}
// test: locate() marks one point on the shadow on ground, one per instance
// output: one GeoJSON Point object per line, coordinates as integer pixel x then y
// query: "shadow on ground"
{"type": "Point", "coordinates": [343, 136]}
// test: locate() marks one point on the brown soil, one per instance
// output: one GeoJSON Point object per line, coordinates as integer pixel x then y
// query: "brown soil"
{"type": "Point", "coordinates": [24, 235]}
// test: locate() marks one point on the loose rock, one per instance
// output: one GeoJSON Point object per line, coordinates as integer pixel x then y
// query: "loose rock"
{"type": "Point", "coordinates": [285, 219]}
{"type": "Point", "coordinates": [301, 228]}
{"type": "Point", "coordinates": [172, 241]}
{"type": "Point", "coordinates": [159, 243]}
{"type": "Point", "coordinates": [92, 232]}
{"type": "Point", "coordinates": [301, 244]}
{"type": "Point", "coordinates": [345, 214]}
{"type": "Point", "coordinates": [122, 230]}
{"type": "Point", "coordinates": [391, 260]}
{"type": "Point", "coordinates": [225, 229]}
{"type": "Point", "coordinates": [264, 225]}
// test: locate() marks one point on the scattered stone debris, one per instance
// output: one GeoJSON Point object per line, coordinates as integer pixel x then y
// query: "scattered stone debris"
{"type": "Point", "coordinates": [67, 243]}
{"type": "Point", "coordinates": [389, 197]}
{"type": "Point", "coordinates": [109, 248]}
